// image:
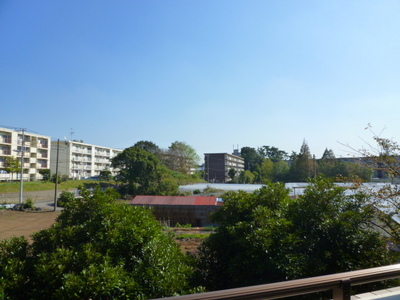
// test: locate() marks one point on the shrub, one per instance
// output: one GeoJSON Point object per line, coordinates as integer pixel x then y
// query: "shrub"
{"type": "Point", "coordinates": [29, 204]}
{"type": "Point", "coordinates": [183, 225]}
{"type": "Point", "coordinates": [65, 197]}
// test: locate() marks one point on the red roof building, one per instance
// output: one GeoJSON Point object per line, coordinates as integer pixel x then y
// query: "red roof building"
{"type": "Point", "coordinates": [170, 210]}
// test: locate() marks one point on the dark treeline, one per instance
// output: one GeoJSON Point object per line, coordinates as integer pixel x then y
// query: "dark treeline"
{"type": "Point", "coordinates": [270, 164]}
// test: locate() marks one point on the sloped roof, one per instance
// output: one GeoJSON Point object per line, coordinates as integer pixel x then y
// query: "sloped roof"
{"type": "Point", "coordinates": [176, 200]}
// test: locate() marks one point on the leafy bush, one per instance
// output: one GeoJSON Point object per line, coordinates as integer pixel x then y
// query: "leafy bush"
{"type": "Point", "coordinates": [65, 197]}
{"type": "Point", "coordinates": [211, 190]}
{"type": "Point", "coordinates": [29, 204]}
{"type": "Point", "coordinates": [97, 249]}
{"type": "Point", "coordinates": [183, 225]}
{"type": "Point", "coordinates": [45, 174]}
{"type": "Point", "coordinates": [266, 236]}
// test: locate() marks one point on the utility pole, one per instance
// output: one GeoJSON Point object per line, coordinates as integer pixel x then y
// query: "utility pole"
{"type": "Point", "coordinates": [56, 187]}
{"type": "Point", "coordinates": [315, 166]}
{"type": "Point", "coordinates": [21, 185]}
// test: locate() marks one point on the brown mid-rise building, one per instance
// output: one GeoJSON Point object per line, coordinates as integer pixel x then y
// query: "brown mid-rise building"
{"type": "Point", "coordinates": [217, 166]}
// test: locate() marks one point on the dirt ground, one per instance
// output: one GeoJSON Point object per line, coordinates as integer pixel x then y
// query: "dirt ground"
{"type": "Point", "coordinates": [24, 223]}
{"type": "Point", "coordinates": [17, 223]}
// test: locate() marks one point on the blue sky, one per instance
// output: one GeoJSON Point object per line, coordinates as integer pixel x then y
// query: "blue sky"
{"type": "Point", "coordinates": [214, 74]}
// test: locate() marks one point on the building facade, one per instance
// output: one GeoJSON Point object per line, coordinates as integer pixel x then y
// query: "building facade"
{"type": "Point", "coordinates": [217, 166]}
{"type": "Point", "coordinates": [79, 160]}
{"type": "Point", "coordinates": [30, 148]}
{"type": "Point", "coordinates": [171, 210]}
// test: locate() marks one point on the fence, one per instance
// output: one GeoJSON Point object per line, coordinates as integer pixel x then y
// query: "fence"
{"type": "Point", "coordinates": [340, 284]}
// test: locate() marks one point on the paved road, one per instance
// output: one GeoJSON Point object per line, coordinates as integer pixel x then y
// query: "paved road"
{"type": "Point", "coordinates": [46, 204]}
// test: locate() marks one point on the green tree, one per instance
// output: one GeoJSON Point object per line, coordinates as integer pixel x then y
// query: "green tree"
{"type": "Point", "coordinates": [181, 157]}
{"type": "Point", "coordinates": [140, 171]}
{"type": "Point", "coordinates": [252, 159]}
{"type": "Point", "coordinates": [281, 171]}
{"type": "Point", "coordinates": [105, 175]}
{"type": "Point", "coordinates": [328, 165]}
{"type": "Point", "coordinates": [246, 177]}
{"type": "Point", "coordinates": [65, 197]}
{"type": "Point", "coordinates": [383, 156]}
{"type": "Point", "coordinates": [14, 268]}
{"type": "Point", "coordinates": [267, 237]}
{"type": "Point", "coordinates": [302, 166]}
{"type": "Point", "coordinates": [232, 174]}
{"type": "Point", "coordinates": [97, 249]}
{"type": "Point", "coordinates": [149, 146]}
{"type": "Point", "coordinates": [357, 170]}
{"type": "Point", "coordinates": [273, 153]}
{"type": "Point", "coordinates": [46, 175]}
{"type": "Point", "coordinates": [266, 170]}
{"type": "Point", "coordinates": [12, 165]}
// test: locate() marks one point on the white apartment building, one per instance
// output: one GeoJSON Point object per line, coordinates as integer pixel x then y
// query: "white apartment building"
{"type": "Point", "coordinates": [79, 160]}
{"type": "Point", "coordinates": [32, 148]}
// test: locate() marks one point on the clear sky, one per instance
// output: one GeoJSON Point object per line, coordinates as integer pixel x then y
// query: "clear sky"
{"type": "Point", "coordinates": [215, 74]}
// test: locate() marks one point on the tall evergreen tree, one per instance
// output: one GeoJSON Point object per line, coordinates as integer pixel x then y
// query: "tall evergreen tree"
{"type": "Point", "coordinates": [302, 166]}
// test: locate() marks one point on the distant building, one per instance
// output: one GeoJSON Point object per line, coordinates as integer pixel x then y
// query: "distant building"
{"type": "Point", "coordinates": [79, 160]}
{"type": "Point", "coordinates": [217, 166]}
{"type": "Point", "coordinates": [171, 210]}
{"type": "Point", "coordinates": [35, 150]}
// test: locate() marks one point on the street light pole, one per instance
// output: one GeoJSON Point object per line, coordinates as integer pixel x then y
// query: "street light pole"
{"type": "Point", "coordinates": [21, 185]}
{"type": "Point", "coordinates": [56, 187]}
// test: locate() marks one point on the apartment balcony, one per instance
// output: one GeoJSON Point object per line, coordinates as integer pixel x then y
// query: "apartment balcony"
{"type": "Point", "coordinates": [42, 146]}
{"type": "Point", "coordinates": [81, 159]}
{"type": "Point", "coordinates": [6, 140]}
{"type": "Point", "coordinates": [5, 152]}
{"type": "Point", "coordinates": [340, 284]}
{"type": "Point", "coordinates": [82, 151]}
{"type": "Point", "coordinates": [26, 143]}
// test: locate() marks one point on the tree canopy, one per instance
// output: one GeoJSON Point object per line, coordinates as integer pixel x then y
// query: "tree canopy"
{"type": "Point", "coordinates": [383, 156]}
{"type": "Point", "coordinates": [98, 249]}
{"type": "Point", "coordinates": [143, 173]}
{"type": "Point", "coordinates": [149, 147]}
{"type": "Point", "coordinates": [266, 236]}
{"type": "Point", "coordinates": [251, 158]}
{"type": "Point", "coordinates": [181, 157]}
{"type": "Point", "coordinates": [273, 153]}
{"type": "Point", "coordinates": [12, 165]}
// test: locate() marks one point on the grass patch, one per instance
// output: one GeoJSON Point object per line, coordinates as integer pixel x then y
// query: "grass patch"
{"type": "Point", "coordinates": [193, 236]}
{"type": "Point", "coordinates": [13, 187]}
{"type": "Point", "coordinates": [184, 179]}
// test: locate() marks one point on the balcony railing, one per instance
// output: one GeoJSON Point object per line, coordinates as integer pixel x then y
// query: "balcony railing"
{"type": "Point", "coordinates": [43, 145]}
{"type": "Point", "coordinates": [340, 284]}
{"type": "Point", "coordinates": [6, 140]}
{"type": "Point", "coordinates": [5, 152]}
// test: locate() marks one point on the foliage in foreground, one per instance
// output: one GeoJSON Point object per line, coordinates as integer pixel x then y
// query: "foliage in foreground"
{"type": "Point", "coordinates": [267, 237]}
{"type": "Point", "coordinates": [384, 158]}
{"type": "Point", "coordinates": [98, 249]}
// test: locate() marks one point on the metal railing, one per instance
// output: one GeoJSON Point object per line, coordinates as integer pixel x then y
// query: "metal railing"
{"type": "Point", "coordinates": [340, 284]}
